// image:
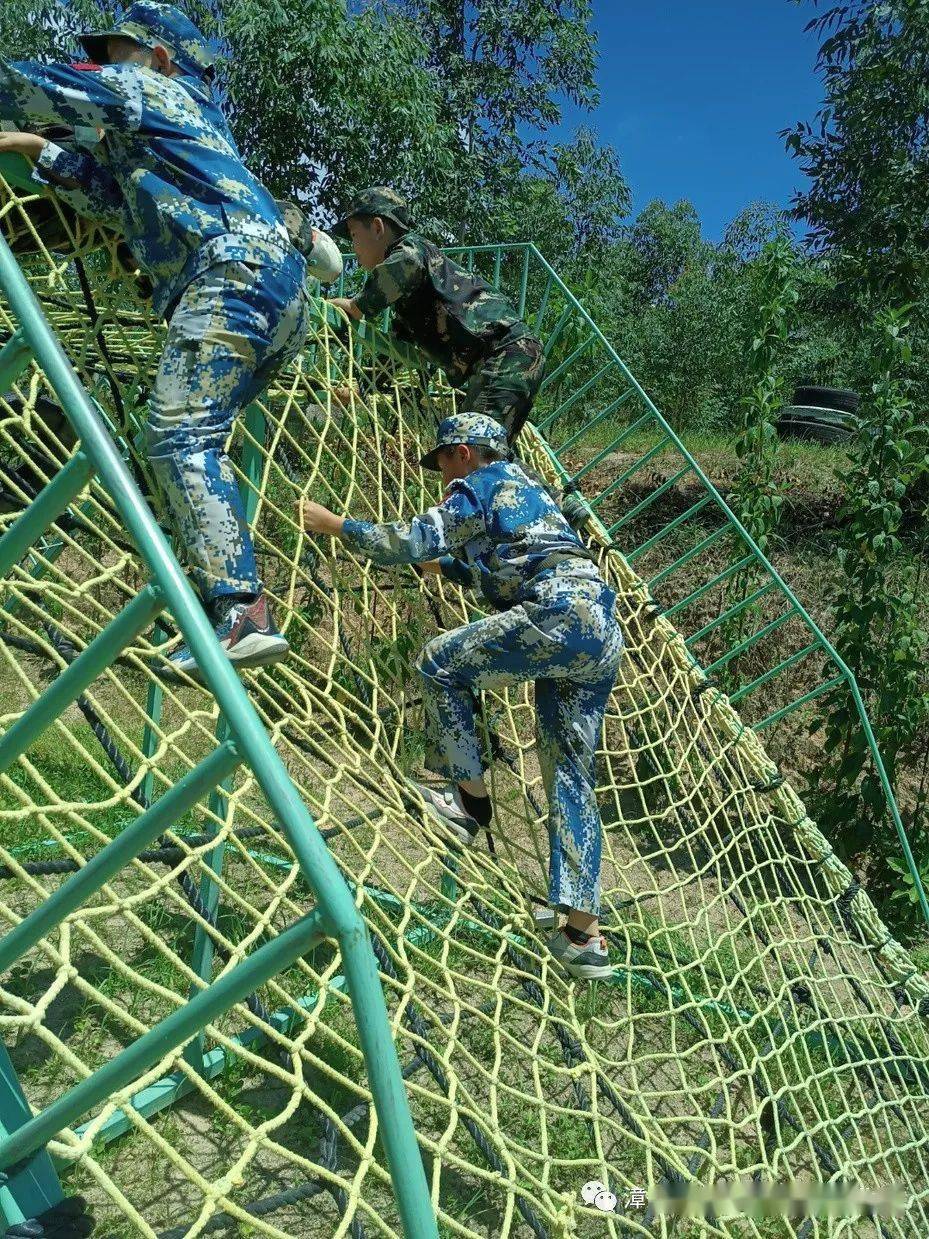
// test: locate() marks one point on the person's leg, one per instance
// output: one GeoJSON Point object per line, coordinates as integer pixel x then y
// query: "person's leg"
{"type": "Point", "coordinates": [454, 666]}
{"type": "Point", "coordinates": [506, 383]}
{"type": "Point", "coordinates": [231, 329]}
{"type": "Point", "coordinates": [569, 723]}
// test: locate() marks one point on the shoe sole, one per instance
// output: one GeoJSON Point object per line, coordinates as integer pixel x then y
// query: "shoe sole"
{"type": "Point", "coordinates": [251, 651]}
{"type": "Point", "coordinates": [589, 972]}
{"type": "Point", "coordinates": [461, 833]}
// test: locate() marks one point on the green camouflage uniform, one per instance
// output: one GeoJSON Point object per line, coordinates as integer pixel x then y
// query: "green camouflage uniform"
{"type": "Point", "coordinates": [455, 317]}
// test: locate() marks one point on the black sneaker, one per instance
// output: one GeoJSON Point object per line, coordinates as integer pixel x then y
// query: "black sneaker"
{"type": "Point", "coordinates": [246, 632]}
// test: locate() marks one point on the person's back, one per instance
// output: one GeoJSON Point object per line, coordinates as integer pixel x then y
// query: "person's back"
{"type": "Point", "coordinates": [555, 625]}
{"type": "Point", "coordinates": [211, 238]}
{"type": "Point", "coordinates": [187, 200]}
{"type": "Point", "coordinates": [525, 541]}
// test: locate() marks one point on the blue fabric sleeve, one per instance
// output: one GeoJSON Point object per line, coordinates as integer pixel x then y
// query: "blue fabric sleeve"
{"type": "Point", "coordinates": [439, 531]}
{"type": "Point", "coordinates": [82, 182]}
{"type": "Point", "coordinates": [457, 571]}
{"type": "Point", "coordinates": [36, 94]}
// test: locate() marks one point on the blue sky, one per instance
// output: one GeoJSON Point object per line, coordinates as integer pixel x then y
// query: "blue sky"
{"type": "Point", "coordinates": [694, 93]}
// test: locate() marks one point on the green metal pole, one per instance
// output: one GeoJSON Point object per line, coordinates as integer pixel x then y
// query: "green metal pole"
{"type": "Point", "coordinates": [36, 1188]}
{"type": "Point", "coordinates": [129, 1064]}
{"type": "Point", "coordinates": [255, 425]}
{"type": "Point", "coordinates": [109, 860]}
{"type": "Point", "coordinates": [318, 866]}
{"type": "Point", "coordinates": [15, 356]}
{"type": "Point", "coordinates": [44, 510]}
{"type": "Point", "coordinates": [69, 685]}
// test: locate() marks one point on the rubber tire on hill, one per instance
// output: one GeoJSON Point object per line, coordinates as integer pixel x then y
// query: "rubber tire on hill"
{"type": "Point", "coordinates": [827, 398]}
{"type": "Point", "coordinates": [820, 425]}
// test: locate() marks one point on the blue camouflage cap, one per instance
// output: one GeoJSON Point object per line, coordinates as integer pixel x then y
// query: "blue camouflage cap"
{"type": "Point", "coordinates": [475, 429]}
{"type": "Point", "coordinates": [157, 25]}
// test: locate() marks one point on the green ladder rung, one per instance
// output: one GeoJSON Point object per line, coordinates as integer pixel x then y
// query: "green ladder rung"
{"type": "Point", "coordinates": [729, 614]}
{"type": "Point", "coordinates": [163, 814]}
{"type": "Point", "coordinates": [44, 510]}
{"type": "Point", "coordinates": [649, 500]}
{"type": "Point", "coordinates": [15, 356]}
{"type": "Point", "coordinates": [77, 676]}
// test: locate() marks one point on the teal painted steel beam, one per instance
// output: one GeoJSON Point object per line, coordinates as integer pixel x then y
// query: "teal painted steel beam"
{"type": "Point", "coordinates": [337, 907]}
{"type": "Point", "coordinates": [167, 810]}
{"type": "Point", "coordinates": [567, 405]}
{"type": "Point", "coordinates": [749, 641]}
{"type": "Point", "coordinates": [234, 986]}
{"type": "Point", "coordinates": [731, 612]}
{"type": "Point", "coordinates": [36, 1188]}
{"type": "Point", "coordinates": [177, 1084]}
{"type": "Point", "coordinates": [694, 510]}
{"type": "Point", "coordinates": [800, 701]}
{"type": "Point", "coordinates": [77, 676]}
{"type": "Point", "coordinates": [647, 502]}
{"type": "Point", "coordinates": [44, 510]}
{"type": "Point", "coordinates": [733, 569]}
{"type": "Point", "coordinates": [15, 357]}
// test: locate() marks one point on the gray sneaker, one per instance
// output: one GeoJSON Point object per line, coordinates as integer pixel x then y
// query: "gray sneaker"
{"type": "Point", "coordinates": [445, 805]}
{"type": "Point", "coordinates": [590, 962]}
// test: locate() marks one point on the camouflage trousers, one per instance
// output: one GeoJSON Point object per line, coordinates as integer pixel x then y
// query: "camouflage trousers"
{"type": "Point", "coordinates": [233, 328]}
{"type": "Point", "coordinates": [568, 641]}
{"type": "Point", "coordinates": [505, 383]}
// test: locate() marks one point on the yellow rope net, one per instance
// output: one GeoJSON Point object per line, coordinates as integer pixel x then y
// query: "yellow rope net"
{"type": "Point", "coordinates": [762, 1021]}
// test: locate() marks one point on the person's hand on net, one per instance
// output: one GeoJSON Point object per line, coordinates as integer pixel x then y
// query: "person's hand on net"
{"type": "Point", "coordinates": [342, 394]}
{"type": "Point", "coordinates": [319, 519]}
{"type": "Point", "coordinates": [16, 143]}
{"type": "Point", "coordinates": [346, 305]}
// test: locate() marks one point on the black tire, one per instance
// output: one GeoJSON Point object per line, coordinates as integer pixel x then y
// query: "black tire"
{"type": "Point", "coordinates": [816, 424]}
{"type": "Point", "coordinates": [828, 398]}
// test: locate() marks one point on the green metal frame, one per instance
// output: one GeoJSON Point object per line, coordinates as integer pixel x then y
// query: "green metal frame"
{"type": "Point", "coordinates": [335, 916]}
{"type": "Point", "coordinates": [531, 277]}
{"type": "Point", "coordinates": [617, 388]}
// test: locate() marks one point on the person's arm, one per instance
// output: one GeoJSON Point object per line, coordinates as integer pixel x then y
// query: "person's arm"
{"type": "Point", "coordinates": [402, 271]}
{"type": "Point", "coordinates": [36, 94]}
{"type": "Point", "coordinates": [82, 182]}
{"type": "Point", "coordinates": [457, 571]}
{"type": "Point", "coordinates": [440, 531]}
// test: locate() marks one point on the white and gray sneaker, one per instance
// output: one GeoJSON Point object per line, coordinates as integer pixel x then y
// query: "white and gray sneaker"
{"type": "Point", "coordinates": [445, 805]}
{"type": "Point", "coordinates": [590, 962]}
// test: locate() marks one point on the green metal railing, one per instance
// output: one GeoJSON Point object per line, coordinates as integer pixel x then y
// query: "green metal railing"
{"type": "Point", "coordinates": [31, 1184]}
{"type": "Point", "coordinates": [747, 630]}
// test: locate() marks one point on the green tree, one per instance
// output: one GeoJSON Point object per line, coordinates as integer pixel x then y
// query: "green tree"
{"type": "Point", "coordinates": [868, 152]}
{"type": "Point", "coordinates": [320, 100]}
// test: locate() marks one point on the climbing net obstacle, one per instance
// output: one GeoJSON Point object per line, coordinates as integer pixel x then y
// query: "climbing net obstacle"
{"type": "Point", "coordinates": [762, 1021]}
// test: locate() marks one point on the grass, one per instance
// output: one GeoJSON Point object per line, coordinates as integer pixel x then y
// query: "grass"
{"type": "Point", "coordinates": [611, 1018]}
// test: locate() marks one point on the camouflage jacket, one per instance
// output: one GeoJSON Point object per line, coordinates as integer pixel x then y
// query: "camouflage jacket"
{"type": "Point", "coordinates": [496, 530]}
{"type": "Point", "coordinates": [454, 316]}
{"type": "Point", "coordinates": [171, 179]}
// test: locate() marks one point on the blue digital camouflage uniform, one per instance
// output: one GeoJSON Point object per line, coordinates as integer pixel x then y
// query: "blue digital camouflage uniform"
{"type": "Point", "coordinates": [169, 178]}
{"type": "Point", "coordinates": [555, 624]}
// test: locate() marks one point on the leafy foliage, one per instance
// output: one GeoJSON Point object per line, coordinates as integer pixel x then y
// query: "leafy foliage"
{"type": "Point", "coordinates": [868, 153]}
{"type": "Point", "coordinates": [758, 496]}
{"type": "Point", "coordinates": [877, 628]}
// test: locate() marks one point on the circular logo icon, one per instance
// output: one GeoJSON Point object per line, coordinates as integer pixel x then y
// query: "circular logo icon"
{"type": "Point", "coordinates": [605, 1201]}
{"type": "Point", "coordinates": [590, 1191]}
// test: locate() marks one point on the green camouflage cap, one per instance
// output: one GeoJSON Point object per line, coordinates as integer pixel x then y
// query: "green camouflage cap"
{"type": "Point", "coordinates": [155, 25]}
{"type": "Point", "coordinates": [378, 200]}
{"type": "Point", "coordinates": [475, 429]}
